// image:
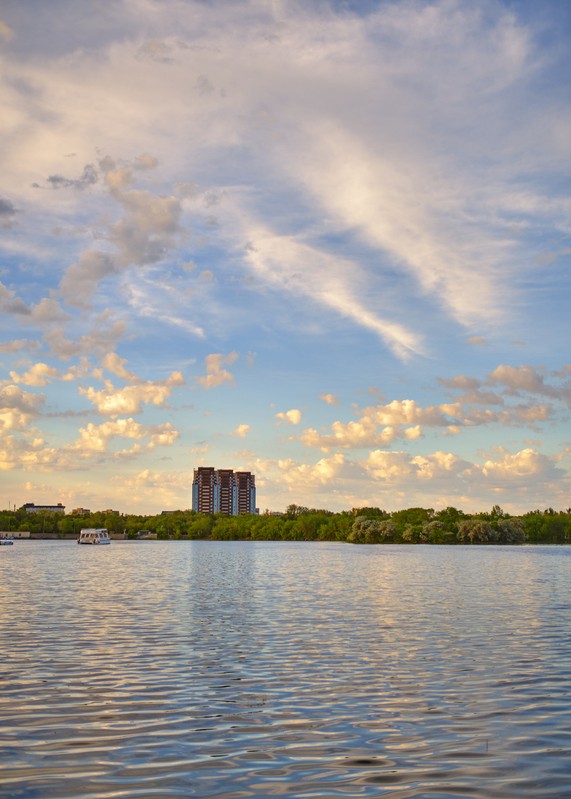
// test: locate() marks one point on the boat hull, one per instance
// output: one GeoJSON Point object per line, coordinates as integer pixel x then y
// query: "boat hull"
{"type": "Point", "coordinates": [93, 543]}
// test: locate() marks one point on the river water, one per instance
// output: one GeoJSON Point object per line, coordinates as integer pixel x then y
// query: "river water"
{"type": "Point", "coordinates": [239, 669]}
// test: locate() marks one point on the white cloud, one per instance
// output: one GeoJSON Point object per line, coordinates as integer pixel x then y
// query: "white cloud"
{"type": "Point", "coordinates": [293, 416]}
{"type": "Point", "coordinates": [329, 399]}
{"type": "Point", "coordinates": [395, 171]}
{"type": "Point", "coordinates": [38, 375]}
{"type": "Point", "coordinates": [527, 379]}
{"type": "Point", "coordinates": [321, 472]}
{"type": "Point", "coordinates": [116, 365]}
{"type": "Point", "coordinates": [102, 338]}
{"type": "Point", "coordinates": [111, 401]}
{"type": "Point", "coordinates": [18, 408]}
{"type": "Point", "coordinates": [380, 425]}
{"type": "Point", "coordinates": [216, 375]}
{"type": "Point", "coordinates": [242, 430]}
{"type": "Point", "coordinates": [383, 424]}
{"type": "Point", "coordinates": [18, 344]}
{"type": "Point", "coordinates": [148, 229]}
{"type": "Point", "coordinates": [46, 311]}
{"type": "Point", "coordinates": [81, 279]}
{"type": "Point", "coordinates": [520, 467]}
{"type": "Point", "coordinates": [326, 279]}
{"type": "Point", "coordinates": [520, 479]}
{"type": "Point", "coordinates": [96, 437]}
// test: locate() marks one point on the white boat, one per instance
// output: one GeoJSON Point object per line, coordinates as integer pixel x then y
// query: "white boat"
{"type": "Point", "coordinates": [91, 535]}
{"type": "Point", "coordinates": [6, 541]}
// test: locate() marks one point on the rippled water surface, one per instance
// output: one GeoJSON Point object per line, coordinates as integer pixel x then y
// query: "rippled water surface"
{"type": "Point", "coordinates": [237, 669]}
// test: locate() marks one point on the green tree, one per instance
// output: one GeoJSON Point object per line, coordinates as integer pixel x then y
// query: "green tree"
{"type": "Point", "coordinates": [476, 531]}
{"type": "Point", "coordinates": [440, 532]}
{"type": "Point", "coordinates": [415, 517]}
{"type": "Point", "coordinates": [371, 531]}
{"type": "Point", "coordinates": [510, 531]}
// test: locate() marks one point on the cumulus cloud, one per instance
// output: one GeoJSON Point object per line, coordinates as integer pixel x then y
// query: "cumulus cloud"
{"type": "Point", "coordinates": [472, 391]}
{"type": "Point", "coordinates": [242, 430]}
{"type": "Point", "coordinates": [321, 472]}
{"type": "Point", "coordinates": [516, 379]}
{"type": "Point", "coordinates": [97, 438]}
{"type": "Point", "coordinates": [475, 406]}
{"type": "Point", "coordinates": [390, 478]}
{"type": "Point", "coordinates": [143, 235]}
{"type": "Point", "coordinates": [102, 338]}
{"type": "Point", "coordinates": [520, 467]}
{"type": "Point", "coordinates": [293, 416]}
{"type": "Point", "coordinates": [510, 381]}
{"type": "Point", "coordinates": [170, 488]}
{"type": "Point", "coordinates": [95, 444]}
{"type": "Point", "coordinates": [82, 278]}
{"type": "Point", "coordinates": [216, 374]}
{"type": "Point", "coordinates": [38, 375]}
{"type": "Point", "coordinates": [28, 453]}
{"type": "Point", "coordinates": [18, 344]}
{"type": "Point", "coordinates": [88, 178]}
{"type": "Point", "coordinates": [116, 365]}
{"type": "Point", "coordinates": [329, 399]}
{"type": "Point", "coordinates": [11, 304]}
{"type": "Point", "coordinates": [18, 408]}
{"type": "Point", "coordinates": [43, 313]}
{"type": "Point", "coordinates": [41, 374]}
{"type": "Point", "coordinates": [47, 311]}
{"type": "Point", "coordinates": [383, 424]}
{"type": "Point", "coordinates": [112, 401]}
{"type": "Point", "coordinates": [394, 466]}
{"type": "Point", "coordinates": [520, 477]}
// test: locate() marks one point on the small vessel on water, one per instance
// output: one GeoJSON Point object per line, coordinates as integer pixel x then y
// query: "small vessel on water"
{"type": "Point", "coordinates": [6, 541]}
{"type": "Point", "coordinates": [91, 535]}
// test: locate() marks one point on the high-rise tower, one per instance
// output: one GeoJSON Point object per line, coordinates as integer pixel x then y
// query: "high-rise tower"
{"type": "Point", "coordinates": [228, 492]}
{"type": "Point", "coordinates": [246, 486]}
{"type": "Point", "coordinates": [223, 491]}
{"type": "Point", "coordinates": [205, 490]}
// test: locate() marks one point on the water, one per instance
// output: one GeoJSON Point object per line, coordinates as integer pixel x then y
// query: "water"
{"type": "Point", "coordinates": [235, 670]}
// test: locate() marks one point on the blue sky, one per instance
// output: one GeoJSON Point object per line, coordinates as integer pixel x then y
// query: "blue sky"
{"type": "Point", "coordinates": [326, 242]}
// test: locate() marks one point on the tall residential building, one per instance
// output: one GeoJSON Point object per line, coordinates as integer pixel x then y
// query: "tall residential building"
{"type": "Point", "coordinates": [205, 497]}
{"type": "Point", "coordinates": [227, 484]}
{"type": "Point", "coordinates": [246, 490]}
{"type": "Point", "coordinates": [223, 491]}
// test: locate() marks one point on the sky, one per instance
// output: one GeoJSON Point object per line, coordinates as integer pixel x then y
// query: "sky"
{"type": "Point", "coordinates": [325, 242]}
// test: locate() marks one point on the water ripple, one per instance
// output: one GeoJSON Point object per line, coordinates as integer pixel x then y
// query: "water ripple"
{"type": "Point", "coordinates": [236, 670]}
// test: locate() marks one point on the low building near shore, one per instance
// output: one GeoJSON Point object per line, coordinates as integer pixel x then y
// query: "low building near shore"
{"type": "Point", "coordinates": [141, 534]}
{"type": "Point", "coordinates": [31, 507]}
{"type": "Point", "coordinates": [15, 534]}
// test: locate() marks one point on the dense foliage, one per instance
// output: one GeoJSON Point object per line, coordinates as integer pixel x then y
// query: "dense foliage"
{"type": "Point", "coordinates": [359, 526]}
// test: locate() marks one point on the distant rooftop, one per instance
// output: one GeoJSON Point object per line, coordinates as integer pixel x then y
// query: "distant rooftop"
{"type": "Point", "coordinates": [30, 507]}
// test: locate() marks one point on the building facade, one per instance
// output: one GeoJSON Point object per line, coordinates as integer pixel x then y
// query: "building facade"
{"type": "Point", "coordinates": [246, 492]}
{"type": "Point", "coordinates": [31, 507]}
{"type": "Point", "coordinates": [223, 491]}
{"type": "Point", "coordinates": [205, 492]}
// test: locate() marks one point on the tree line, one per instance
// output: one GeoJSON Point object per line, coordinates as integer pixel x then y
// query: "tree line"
{"type": "Point", "coordinates": [370, 525]}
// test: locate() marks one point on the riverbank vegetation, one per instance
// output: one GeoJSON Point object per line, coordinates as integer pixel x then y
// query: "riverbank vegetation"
{"type": "Point", "coordinates": [359, 526]}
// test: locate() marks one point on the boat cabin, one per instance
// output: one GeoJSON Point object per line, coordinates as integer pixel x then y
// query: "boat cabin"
{"type": "Point", "coordinates": [94, 536]}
